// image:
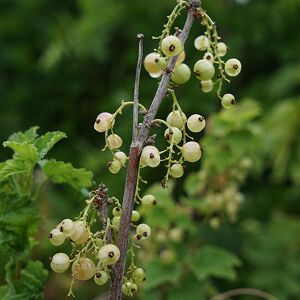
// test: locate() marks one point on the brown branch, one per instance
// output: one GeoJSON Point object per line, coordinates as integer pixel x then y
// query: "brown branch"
{"type": "Point", "coordinates": [133, 162]}
{"type": "Point", "coordinates": [244, 291]}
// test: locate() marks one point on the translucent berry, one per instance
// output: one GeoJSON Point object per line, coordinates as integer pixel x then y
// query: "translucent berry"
{"type": "Point", "coordinates": [228, 101]}
{"type": "Point", "coordinates": [181, 57]}
{"type": "Point", "coordinates": [114, 166]}
{"type": "Point", "coordinates": [143, 230]}
{"type": "Point", "coordinates": [121, 156]}
{"type": "Point", "coordinates": [176, 119]}
{"type": "Point", "coordinates": [101, 277]}
{"type": "Point", "coordinates": [150, 156]}
{"type": "Point", "coordinates": [191, 151]}
{"type": "Point", "coordinates": [233, 67]}
{"type": "Point", "coordinates": [129, 288]}
{"type": "Point", "coordinates": [204, 70]}
{"type": "Point", "coordinates": [117, 211]}
{"type": "Point", "coordinates": [56, 237]}
{"type": "Point", "coordinates": [66, 227]}
{"type": "Point", "coordinates": [196, 123]}
{"type": "Point", "coordinates": [181, 74]}
{"type": "Point", "coordinates": [83, 269]}
{"type": "Point", "coordinates": [222, 49]}
{"type": "Point", "coordinates": [103, 122]}
{"type": "Point", "coordinates": [173, 133]}
{"type": "Point", "coordinates": [156, 75]}
{"type": "Point", "coordinates": [116, 222]}
{"type": "Point", "coordinates": [201, 43]}
{"type": "Point", "coordinates": [148, 201]}
{"type": "Point", "coordinates": [135, 216]}
{"type": "Point", "coordinates": [60, 262]}
{"type": "Point", "coordinates": [176, 171]}
{"type": "Point", "coordinates": [208, 56]}
{"type": "Point", "coordinates": [152, 63]}
{"type": "Point", "coordinates": [139, 275]}
{"type": "Point", "coordinates": [109, 254]}
{"type": "Point", "coordinates": [171, 46]}
{"type": "Point", "coordinates": [114, 141]}
{"type": "Point", "coordinates": [80, 232]}
{"type": "Point", "coordinates": [206, 85]}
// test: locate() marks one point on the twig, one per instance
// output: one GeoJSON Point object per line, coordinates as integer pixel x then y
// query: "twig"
{"type": "Point", "coordinates": [244, 291]}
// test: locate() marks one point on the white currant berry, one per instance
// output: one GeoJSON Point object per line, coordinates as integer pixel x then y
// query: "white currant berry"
{"type": "Point", "coordinates": [56, 237]}
{"type": "Point", "coordinates": [117, 211]}
{"type": "Point", "coordinates": [139, 275]}
{"type": "Point", "coordinates": [201, 43]}
{"type": "Point", "coordinates": [196, 123]}
{"type": "Point", "coordinates": [176, 234]}
{"type": "Point", "coordinates": [99, 242]}
{"type": "Point", "coordinates": [206, 85]}
{"type": "Point", "coordinates": [150, 156]}
{"type": "Point", "coordinates": [135, 216]}
{"type": "Point", "coordinates": [116, 222]}
{"type": "Point", "coordinates": [176, 171]}
{"type": "Point", "coordinates": [80, 232]}
{"type": "Point", "coordinates": [204, 70]}
{"type": "Point", "coordinates": [129, 288]}
{"type": "Point", "coordinates": [121, 156]}
{"type": "Point", "coordinates": [114, 166]}
{"type": "Point", "coordinates": [222, 49]}
{"type": "Point", "coordinates": [114, 141]}
{"type": "Point", "coordinates": [233, 67]}
{"type": "Point", "coordinates": [83, 268]}
{"type": "Point", "coordinates": [181, 57]}
{"type": "Point", "coordinates": [152, 63]}
{"type": "Point", "coordinates": [148, 201]}
{"type": "Point", "coordinates": [103, 122]}
{"type": "Point", "coordinates": [171, 46]}
{"type": "Point", "coordinates": [176, 119]}
{"type": "Point", "coordinates": [167, 256]}
{"type": "Point", "coordinates": [209, 56]}
{"type": "Point", "coordinates": [191, 151]}
{"type": "Point", "coordinates": [156, 75]}
{"type": "Point", "coordinates": [66, 227]}
{"type": "Point", "coordinates": [143, 230]}
{"type": "Point", "coordinates": [101, 277]}
{"type": "Point", "coordinates": [181, 74]}
{"type": "Point", "coordinates": [174, 134]}
{"type": "Point", "coordinates": [228, 101]}
{"type": "Point", "coordinates": [60, 262]}
{"type": "Point", "coordinates": [109, 254]}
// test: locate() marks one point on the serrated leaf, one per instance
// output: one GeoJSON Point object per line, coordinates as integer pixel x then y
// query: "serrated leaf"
{"type": "Point", "coordinates": [23, 150]}
{"type": "Point", "coordinates": [27, 136]}
{"type": "Point", "coordinates": [13, 167]}
{"type": "Point", "coordinates": [61, 172]}
{"type": "Point", "coordinates": [159, 273]}
{"type": "Point", "coordinates": [211, 261]}
{"type": "Point", "coordinates": [45, 142]}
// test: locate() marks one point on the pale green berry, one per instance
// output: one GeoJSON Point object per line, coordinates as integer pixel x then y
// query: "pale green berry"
{"type": "Point", "coordinates": [114, 141]}
{"type": "Point", "coordinates": [171, 46]}
{"type": "Point", "coordinates": [152, 62]}
{"type": "Point", "coordinates": [114, 166]}
{"type": "Point", "coordinates": [148, 201]}
{"type": "Point", "coordinates": [109, 254]}
{"type": "Point", "coordinates": [206, 85]}
{"type": "Point", "coordinates": [121, 156]}
{"type": "Point", "coordinates": [66, 227]}
{"type": "Point", "coordinates": [117, 211]}
{"type": "Point", "coordinates": [139, 275]}
{"type": "Point", "coordinates": [116, 222]}
{"type": "Point", "coordinates": [201, 43]}
{"type": "Point", "coordinates": [233, 67]}
{"type": "Point", "coordinates": [209, 56]}
{"type": "Point", "coordinates": [176, 171]}
{"type": "Point", "coordinates": [80, 232]}
{"type": "Point", "coordinates": [143, 230]}
{"type": "Point", "coordinates": [222, 49]}
{"type": "Point", "coordinates": [129, 288]}
{"type": "Point", "coordinates": [181, 57]}
{"type": "Point", "coordinates": [83, 269]}
{"type": "Point", "coordinates": [135, 216]}
{"type": "Point", "coordinates": [228, 101]}
{"type": "Point", "coordinates": [101, 277]}
{"type": "Point", "coordinates": [60, 262]}
{"type": "Point", "coordinates": [204, 70]}
{"type": "Point", "coordinates": [56, 237]}
{"type": "Point", "coordinates": [214, 222]}
{"type": "Point", "coordinates": [196, 123]}
{"type": "Point", "coordinates": [150, 156]}
{"type": "Point", "coordinates": [174, 134]}
{"type": "Point", "coordinates": [176, 119]}
{"type": "Point", "coordinates": [99, 242]}
{"type": "Point", "coordinates": [167, 256]}
{"type": "Point", "coordinates": [103, 122]}
{"type": "Point", "coordinates": [176, 234]}
{"type": "Point", "coordinates": [191, 151]}
{"type": "Point", "coordinates": [181, 74]}
{"type": "Point", "coordinates": [156, 75]}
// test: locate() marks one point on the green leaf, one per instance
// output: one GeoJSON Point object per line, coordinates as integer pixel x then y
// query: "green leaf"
{"type": "Point", "coordinates": [213, 261]}
{"type": "Point", "coordinates": [28, 136]}
{"type": "Point", "coordinates": [45, 142]}
{"type": "Point", "coordinates": [61, 172]}
{"type": "Point", "coordinates": [23, 150]}
{"type": "Point", "coordinates": [159, 273]}
{"type": "Point", "coordinates": [13, 167]}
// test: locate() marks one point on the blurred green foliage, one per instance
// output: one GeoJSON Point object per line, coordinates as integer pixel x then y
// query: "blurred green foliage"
{"type": "Point", "coordinates": [63, 62]}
